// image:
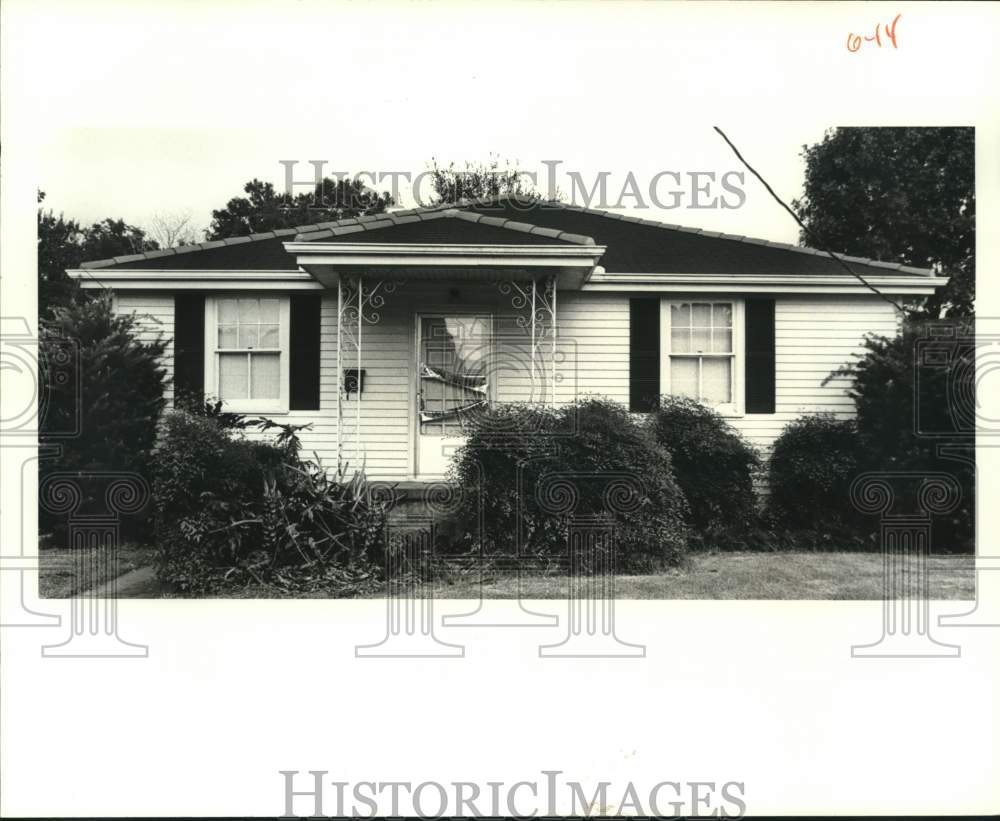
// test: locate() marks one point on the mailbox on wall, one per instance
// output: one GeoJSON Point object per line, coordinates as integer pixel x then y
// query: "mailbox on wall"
{"type": "Point", "coordinates": [354, 380]}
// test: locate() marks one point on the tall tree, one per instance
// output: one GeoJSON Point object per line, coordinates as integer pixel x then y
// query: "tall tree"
{"type": "Point", "coordinates": [170, 229]}
{"type": "Point", "coordinates": [60, 246]}
{"type": "Point", "coordinates": [113, 238]}
{"type": "Point", "coordinates": [264, 208]}
{"type": "Point", "coordinates": [64, 243]}
{"type": "Point", "coordinates": [480, 180]}
{"type": "Point", "coordinates": [117, 402]}
{"type": "Point", "coordinates": [901, 195]}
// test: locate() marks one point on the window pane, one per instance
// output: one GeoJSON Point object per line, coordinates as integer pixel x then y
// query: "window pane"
{"type": "Point", "coordinates": [249, 311]}
{"type": "Point", "coordinates": [233, 376]}
{"type": "Point", "coordinates": [722, 340]}
{"type": "Point", "coordinates": [269, 310]}
{"type": "Point", "coordinates": [684, 376]}
{"type": "Point", "coordinates": [471, 335]}
{"type": "Point", "coordinates": [227, 311]}
{"type": "Point", "coordinates": [264, 368]}
{"type": "Point", "coordinates": [701, 339]}
{"type": "Point", "coordinates": [722, 315]}
{"type": "Point", "coordinates": [680, 315]}
{"type": "Point", "coordinates": [722, 327]}
{"type": "Point", "coordinates": [680, 339]}
{"type": "Point", "coordinates": [715, 380]}
{"type": "Point", "coordinates": [248, 336]}
{"type": "Point", "coordinates": [227, 336]}
{"type": "Point", "coordinates": [269, 336]}
{"type": "Point", "coordinates": [701, 315]}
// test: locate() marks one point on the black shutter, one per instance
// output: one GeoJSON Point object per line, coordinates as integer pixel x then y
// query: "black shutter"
{"type": "Point", "coordinates": [189, 348]}
{"type": "Point", "coordinates": [644, 354]}
{"type": "Point", "coordinates": [304, 339]}
{"type": "Point", "coordinates": [759, 365]}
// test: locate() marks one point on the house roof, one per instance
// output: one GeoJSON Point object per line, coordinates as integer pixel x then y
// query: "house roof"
{"type": "Point", "coordinates": [634, 245]}
{"type": "Point", "coordinates": [449, 226]}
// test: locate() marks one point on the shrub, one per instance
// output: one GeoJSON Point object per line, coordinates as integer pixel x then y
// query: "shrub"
{"type": "Point", "coordinates": [714, 466]}
{"type": "Point", "coordinates": [199, 405]}
{"type": "Point", "coordinates": [515, 447]}
{"type": "Point", "coordinates": [885, 393]}
{"type": "Point", "coordinates": [230, 511]}
{"type": "Point", "coordinates": [812, 466]}
{"type": "Point", "coordinates": [120, 401]}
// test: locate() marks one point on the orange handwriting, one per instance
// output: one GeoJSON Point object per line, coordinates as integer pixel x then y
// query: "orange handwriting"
{"type": "Point", "coordinates": [854, 41]}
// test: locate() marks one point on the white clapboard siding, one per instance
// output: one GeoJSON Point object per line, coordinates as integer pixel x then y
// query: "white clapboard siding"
{"type": "Point", "coordinates": [814, 335]}
{"type": "Point", "coordinates": [594, 338]}
{"type": "Point", "coordinates": [154, 314]}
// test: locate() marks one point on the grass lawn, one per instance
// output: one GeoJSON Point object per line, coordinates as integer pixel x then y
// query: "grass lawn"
{"type": "Point", "coordinates": [730, 575]}
{"type": "Point", "coordinates": [811, 576]}
{"type": "Point", "coordinates": [57, 578]}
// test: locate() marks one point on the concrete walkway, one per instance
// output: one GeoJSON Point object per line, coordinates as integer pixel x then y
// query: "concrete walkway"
{"type": "Point", "coordinates": [136, 584]}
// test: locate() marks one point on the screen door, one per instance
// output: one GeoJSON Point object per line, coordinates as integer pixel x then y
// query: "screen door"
{"type": "Point", "coordinates": [453, 385]}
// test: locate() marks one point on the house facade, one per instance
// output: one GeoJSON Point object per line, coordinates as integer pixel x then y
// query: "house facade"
{"type": "Point", "coordinates": [386, 333]}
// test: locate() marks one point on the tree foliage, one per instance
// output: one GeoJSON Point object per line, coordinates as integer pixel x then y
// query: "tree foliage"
{"type": "Point", "coordinates": [899, 195]}
{"type": "Point", "coordinates": [910, 416]}
{"type": "Point", "coordinates": [120, 387]}
{"type": "Point", "coordinates": [115, 404]}
{"type": "Point", "coordinates": [64, 243]}
{"type": "Point", "coordinates": [481, 180]}
{"type": "Point", "coordinates": [265, 209]}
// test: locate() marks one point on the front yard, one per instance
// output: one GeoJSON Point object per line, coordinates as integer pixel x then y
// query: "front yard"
{"type": "Point", "coordinates": [57, 574]}
{"type": "Point", "coordinates": [730, 575]}
{"type": "Point", "coordinates": [810, 576]}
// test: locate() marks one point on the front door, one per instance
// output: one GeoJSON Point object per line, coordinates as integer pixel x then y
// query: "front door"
{"type": "Point", "coordinates": [453, 384]}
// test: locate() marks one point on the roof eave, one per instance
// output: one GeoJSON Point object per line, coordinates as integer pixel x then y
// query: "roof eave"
{"type": "Point", "coordinates": [889, 284]}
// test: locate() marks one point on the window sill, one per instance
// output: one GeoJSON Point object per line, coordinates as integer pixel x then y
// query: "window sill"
{"type": "Point", "coordinates": [255, 408]}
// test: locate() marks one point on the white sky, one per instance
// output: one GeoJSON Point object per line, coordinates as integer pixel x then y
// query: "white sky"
{"type": "Point", "coordinates": [172, 106]}
{"type": "Point", "coordinates": [139, 108]}
{"type": "Point", "coordinates": [91, 173]}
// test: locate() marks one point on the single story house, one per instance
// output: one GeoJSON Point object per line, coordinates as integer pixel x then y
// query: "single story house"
{"type": "Point", "coordinates": [386, 332]}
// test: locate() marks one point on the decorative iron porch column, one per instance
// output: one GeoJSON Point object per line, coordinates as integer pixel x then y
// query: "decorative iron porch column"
{"type": "Point", "coordinates": [540, 299]}
{"type": "Point", "coordinates": [358, 302]}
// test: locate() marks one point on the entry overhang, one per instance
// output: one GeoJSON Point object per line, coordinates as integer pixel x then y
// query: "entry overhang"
{"type": "Point", "coordinates": [573, 265]}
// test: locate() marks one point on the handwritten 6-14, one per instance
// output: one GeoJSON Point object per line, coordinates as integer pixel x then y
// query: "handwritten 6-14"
{"type": "Point", "coordinates": [854, 41]}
